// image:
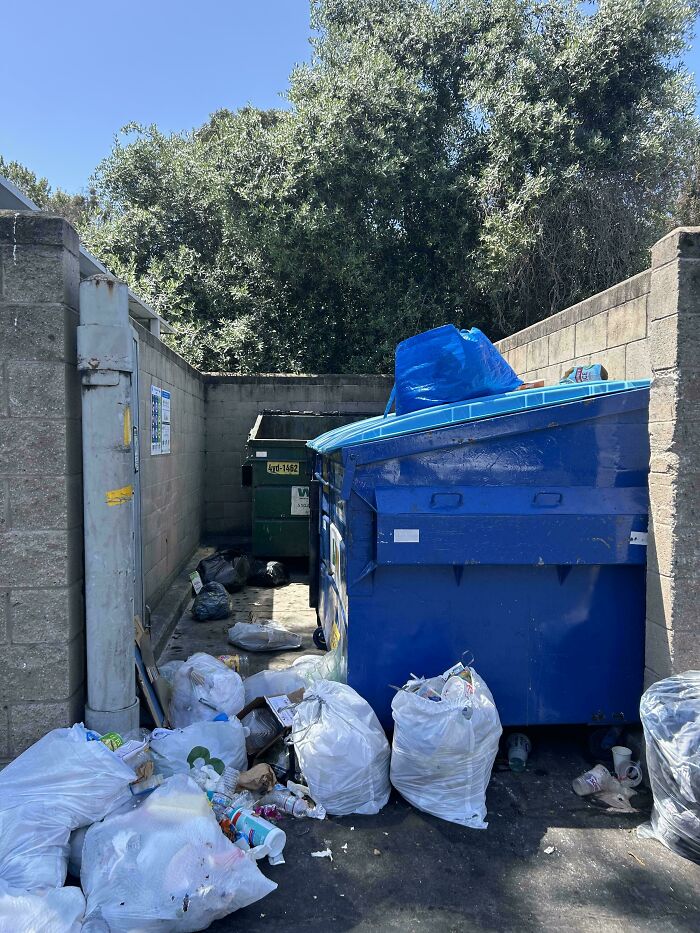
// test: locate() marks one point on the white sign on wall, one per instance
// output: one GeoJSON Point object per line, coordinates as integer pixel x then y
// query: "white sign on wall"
{"type": "Point", "coordinates": [160, 421]}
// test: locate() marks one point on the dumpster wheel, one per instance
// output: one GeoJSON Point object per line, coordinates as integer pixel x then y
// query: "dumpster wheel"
{"type": "Point", "coordinates": [320, 639]}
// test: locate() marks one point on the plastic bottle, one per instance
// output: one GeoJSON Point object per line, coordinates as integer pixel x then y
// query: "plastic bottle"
{"type": "Point", "coordinates": [240, 663]}
{"type": "Point", "coordinates": [224, 793]}
{"type": "Point", "coordinates": [287, 802]}
{"type": "Point", "coordinates": [258, 832]}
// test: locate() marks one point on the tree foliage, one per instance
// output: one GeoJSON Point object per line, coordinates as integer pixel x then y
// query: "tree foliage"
{"type": "Point", "coordinates": [76, 208]}
{"type": "Point", "coordinates": [479, 162]}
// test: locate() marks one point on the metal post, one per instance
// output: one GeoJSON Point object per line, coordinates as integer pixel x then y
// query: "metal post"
{"type": "Point", "coordinates": [105, 360]}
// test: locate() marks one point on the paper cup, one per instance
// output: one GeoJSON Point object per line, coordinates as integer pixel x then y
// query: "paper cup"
{"type": "Point", "coordinates": [622, 756]}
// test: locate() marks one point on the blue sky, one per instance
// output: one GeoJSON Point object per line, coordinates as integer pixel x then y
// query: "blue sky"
{"type": "Point", "coordinates": [73, 72]}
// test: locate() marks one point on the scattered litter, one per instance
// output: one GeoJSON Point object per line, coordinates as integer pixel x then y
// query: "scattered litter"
{"type": "Point", "coordinates": [342, 750]}
{"type": "Point", "coordinates": [376, 852]}
{"type": "Point", "coordinates": [324, 853]}
{"type": "Point", "coordinates": [270, 573]}
{"type": "Point", "coordinates": [445, 742]}
{"type": "Point", "coordinates": [352, 829]}
{"type": "Point", "coordinates": [519, 747]}
{"type": "Point", "coordinates": [344, 847]}
{"type": "Point", "coordinates": [262, 635]}
{"type": "Point", "coordinates": [386, 834]}
{"type": "Point", "coordinates": [601, 786]}
{"type": "Point", "coordinates": [230, 568]}
{"type": "Point", "coordinates": [638, 859]}
{"type": "Point", "coordinates": [549, 850]}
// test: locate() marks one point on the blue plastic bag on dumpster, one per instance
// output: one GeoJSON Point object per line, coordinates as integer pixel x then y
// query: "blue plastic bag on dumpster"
{"type": "Point", "coordinates": [448, 365]}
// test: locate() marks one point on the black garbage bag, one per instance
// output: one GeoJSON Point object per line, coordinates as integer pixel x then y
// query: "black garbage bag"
{"type": "Point", "coordinates": [211, 603]}
{"type": "Point", "coordinates": [272, 573]}
{"type": "Point", "coordinates": [230, 568]}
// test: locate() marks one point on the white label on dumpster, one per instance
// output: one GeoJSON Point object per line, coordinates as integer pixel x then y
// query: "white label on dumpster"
{"type": "Point", "coordinates": [300, 500]}
{"type": "Point", "coordinates": [262, 454]}
{"type": "Point", "coordinates": [406, 535]}
{"type": "Point", "coordinates": [639, 537]}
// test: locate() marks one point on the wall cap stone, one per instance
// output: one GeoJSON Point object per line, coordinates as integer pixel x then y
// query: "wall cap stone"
{"type": "Point", "coordinates": [33, 228]}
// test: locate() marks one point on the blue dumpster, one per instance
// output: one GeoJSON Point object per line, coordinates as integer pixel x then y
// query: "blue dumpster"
{"type": "Point", "coordinates": [509, 529]}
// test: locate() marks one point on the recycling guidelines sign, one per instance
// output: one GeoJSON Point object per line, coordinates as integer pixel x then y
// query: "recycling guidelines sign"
{"type": "Point", "coordinates": [160, 421]}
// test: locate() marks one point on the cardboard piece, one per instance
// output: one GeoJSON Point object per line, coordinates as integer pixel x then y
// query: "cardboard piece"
{"type": "Point", "coordinates": [154, 688]}
{"type": "Point", "coordinates": [281, 707]}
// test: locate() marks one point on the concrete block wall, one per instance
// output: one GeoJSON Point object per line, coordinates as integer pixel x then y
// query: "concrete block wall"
{"type": "Point", "coordinates": [611, 328]}
{"type": "Point", "coordinates": [41, 544]}
{"type": "Point", "coordinates": [172, 485]}
{"type": "Point", "coordinates": [234, 402]}
{"type": "Point", "coordinates": [673, 568]}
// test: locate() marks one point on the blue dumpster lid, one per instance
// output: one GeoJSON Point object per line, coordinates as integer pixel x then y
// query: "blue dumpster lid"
{"type": "Point", "coordinates": [375, 429]}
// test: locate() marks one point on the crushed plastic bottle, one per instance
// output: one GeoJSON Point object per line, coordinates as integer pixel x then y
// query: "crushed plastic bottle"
{"type": "Point", "coordinates": [287, 802]}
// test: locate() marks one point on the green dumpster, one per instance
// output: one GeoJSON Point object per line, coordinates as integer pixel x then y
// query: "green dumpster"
{"type": "Point", "coordinates": [278, 468]}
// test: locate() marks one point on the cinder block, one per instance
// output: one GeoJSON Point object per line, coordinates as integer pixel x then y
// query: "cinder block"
{"type": "Point", "coordinates": [30, 721]}
{"type": "Point", "coordinates": [41, 558]}
{"type": "Point", "coordinates": [40, 273]}
{"type": "Point", "coordinates": [33, 673]}
{"type": "Point", "coordinates": [4, 734]}
{"type": "Point", "coordinates": [38, 332]}
{"type": "Point", "coordinates": [614, 361]}
{"type": "Point", "coordinates": [681, 242]}
{"type": "Point", "coordinates": [627, 322]}
{"type": "Point", "coordinates": [562, 345]}
{"type": "Point", "coordinates": [37, 447]}
{"type": "Point", "coordinates": [46, 617]}
{"type": "Point", "coordinates": [591, 335]}
{"type": "Point", "coordinates": [4, 613]}
{"type": "Point", "coordinates": [45, 502]}
{"type": "Point", "coordinates": [538, 353]}
{"type": "Point", "coordinates": [663, 343]}
{"type": "Point", "coordinates": [637, 360]}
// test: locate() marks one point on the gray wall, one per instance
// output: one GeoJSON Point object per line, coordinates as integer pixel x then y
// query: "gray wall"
{"type": "Point", "coordinates": [41, 543]}
{"type": "Point", "coordinates": [234, 402]}
{"type": "Point", "coordinates": [172, 485]}
{"type": "Point", "coordinates": [609, 328]}
{"type": "Point", "coordinates": [647, 327]}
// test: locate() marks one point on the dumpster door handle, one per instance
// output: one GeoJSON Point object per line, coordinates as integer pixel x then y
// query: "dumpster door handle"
{"type": "Point", "coordinates": [547, 500]}
{"type": "Point", "coordinates": [446, 500]}
{"type": "Point", "coordinates": [322, 481]}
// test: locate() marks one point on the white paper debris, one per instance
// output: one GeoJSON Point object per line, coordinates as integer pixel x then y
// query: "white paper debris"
{"type": "Point", "coordinates": [324, 853]}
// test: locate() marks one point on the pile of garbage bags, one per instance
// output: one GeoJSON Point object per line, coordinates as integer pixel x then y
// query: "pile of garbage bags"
{"type": "Point", "coordinates": [670, 713]}
{"type": "Point", "coordinates": [166, 829]}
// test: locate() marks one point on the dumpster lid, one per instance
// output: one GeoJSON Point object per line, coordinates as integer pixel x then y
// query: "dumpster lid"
{"type": "Point", "coordinates": [441, 416]}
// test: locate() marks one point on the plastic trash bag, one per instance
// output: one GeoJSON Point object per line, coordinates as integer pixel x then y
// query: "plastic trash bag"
{"type": "Point", "coordinates": [441, 759]}
{"type": "Point", "coordinates": [670, 714]}
{"type": "Point", "coordinates": [203, 687]}
{"type": "Point", "coordinates": [272, 684]}
{"type": "Point", "coordinates": [262, 635]}
{"type": "Point", "coordinates": [211, 603]}
{"type": "Point", "coordinates": [229, 568]}
{"type": "Point", "coordinates": [217, 744]}
{"type": "Point", "coordinates": [168, 670]}
{"type": "Point", "coordinates": [342, 750]}
{"type": "Point", "coordinates": [57, 911]}
{"type": "Point", "coordinates": [166, 866]}
{"type": "Point", "coordinates": [270, 573]}
{"type": "Point", "coordinates": [60, 783]}
{"type": "Point", "coordinates": [446, 365]}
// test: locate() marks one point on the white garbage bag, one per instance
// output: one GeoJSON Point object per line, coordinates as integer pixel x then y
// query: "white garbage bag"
{"type": "Point", "coordinates": [342, 750]}
{"type": "Point", "coordinates": [61, 782]}
{"type": "Point", "coordinates": [59, 910]}
{"type": "Point", "coordinates": [219, 744]}
{"type": "Point", "coordinates": [443, 751]}
{"type": "Point", "coordinates": [263, 635]}
{"type": "Point", "coordinates": [670, 714]}
{"type": "Point", "coordinates": [272, 684]}
{"type": "Point", "coordinates": [167, 866]}
{"type": "Point", "coordinates": [203, 687]}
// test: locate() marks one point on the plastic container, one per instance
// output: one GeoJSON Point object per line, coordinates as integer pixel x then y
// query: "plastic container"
{"type": "Point", "coordinates": [258, 832]}
{"type": "Point", "coordinates": [519, 747]}
{"type": "Point", "coordinates": [595, 781]}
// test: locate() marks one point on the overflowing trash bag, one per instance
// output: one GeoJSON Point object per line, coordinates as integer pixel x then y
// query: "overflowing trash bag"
{"type": "Point", "coordinates": [342, 750]}
{"type": "Point", "coordinates": [446, 365]}
{"type": "Point", "coordinates": [203, 687]}
{"type": "Point", "coordinates": [332, 665]}
{"type": "Point", "coordinates": [272, 683]}
{"type": "Point", "coordinates": [230, 568]}
{"type": "Point", "coordinates": [203, 744]}
{"type": "Point", "coordinates": [262, 635]}
{"type": "Point", "coordinates": [267, 573]}
{"type": "Point", "coordinates": [211, 603]}
{"type": "Point", "coordinates": [57, 911]}
{"type": "Point", "coordinates": [670, 714]}
{"type": "Point", "coordinates": [61, 782]}
{"type": "Point", "coordinates": [446, 733]}
{"type": "Point", "coordinates": [166, 865]}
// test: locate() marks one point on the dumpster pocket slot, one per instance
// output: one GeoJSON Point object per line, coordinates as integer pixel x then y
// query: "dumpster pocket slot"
{"type": "Point", "coordinates": [509, 525]}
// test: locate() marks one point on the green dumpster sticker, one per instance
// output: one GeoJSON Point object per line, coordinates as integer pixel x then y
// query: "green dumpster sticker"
{"type": "Point", "coordinates": [300, 500]}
